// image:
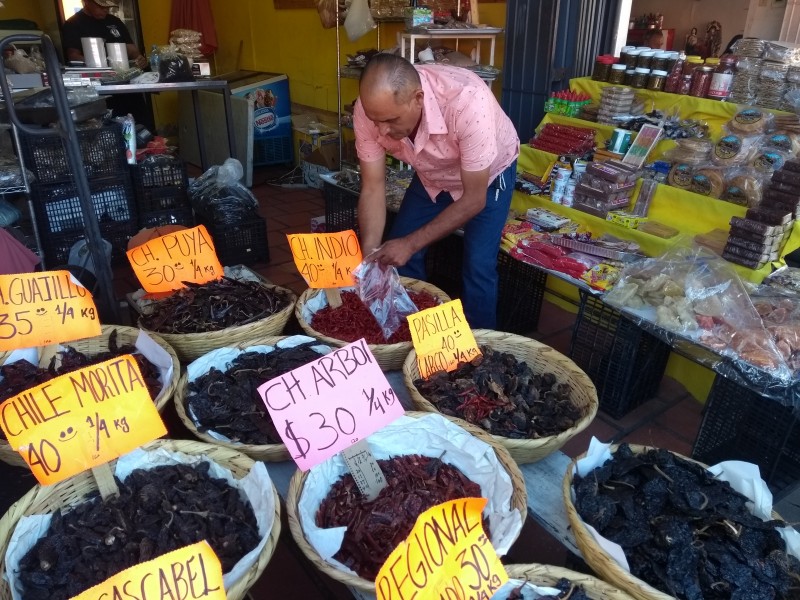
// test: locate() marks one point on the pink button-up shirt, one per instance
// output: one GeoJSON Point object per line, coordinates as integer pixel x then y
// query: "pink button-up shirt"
{"type": "Point", "coordinates": [462, 127]}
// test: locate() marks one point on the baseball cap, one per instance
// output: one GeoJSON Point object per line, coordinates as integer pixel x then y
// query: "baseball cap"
{"type": "Point", "coordinates": [105, 3]}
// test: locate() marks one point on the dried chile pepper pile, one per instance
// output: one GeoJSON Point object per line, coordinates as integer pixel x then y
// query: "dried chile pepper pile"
{"type": "Point", "coordinates": [685, 532]}
{"type": "Point", "coordinates": [414, 484]}
{"type": "Point", "coordinates": [352, 320]}
{"type": "Point", "coordinates": [214, 306]}
{"type": "Point", "coordinates": [228, 402]}
{"type": "Point", "coordinates": [567, 590]}
{"type": "Point", "coordinates": [157, 511]}
{"type": "Point", "coordinates": [504, 396]}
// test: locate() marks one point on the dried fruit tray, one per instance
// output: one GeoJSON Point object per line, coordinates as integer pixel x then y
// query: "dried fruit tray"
{"type": "Point", "coordinates": [595, 250]}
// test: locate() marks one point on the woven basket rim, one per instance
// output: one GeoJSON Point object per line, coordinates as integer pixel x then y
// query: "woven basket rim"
{"type": "Point", "coordinates": [39, 493]}
{"type": "Point", "coordinates": [519, 447]}
{"type": "Point", "coordinates": [518, 501]}
{"type": "Point", "coordinates": [540, 574]}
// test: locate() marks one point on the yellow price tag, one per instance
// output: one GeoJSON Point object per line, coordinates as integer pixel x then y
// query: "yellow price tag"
{"type": "Point", "coordinates": [446, 555]}
{"type": "Point", "coordinates": [326, 260]}
{"type": "Point", "coordinates": [190, 572]}
{"type": "Point", "coordinates": [442, 338]}
{"type": "Point", "coordinates": [39, 309]}
{"type": "Point", "coordinates": [82, 419]}
{"type": "Point", "coordinates": [164, 263]}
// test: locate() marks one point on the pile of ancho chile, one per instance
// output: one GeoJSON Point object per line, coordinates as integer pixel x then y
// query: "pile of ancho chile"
{"type": "Point", "coordinates": [502, 395]}
{"type": "Point", "coordinates": [213, 306]}
{"type": "Point", "coordinates": [375, 528]}
{"type": "Point", "coordinates": [352, 320]}
{"type": "Point", "coordinates": [157, 511]}
{"type": "Point", "coordinates": [685, 532]}
{"type": "Point", "coordinates": [228, 402]}
{"type": "Point", "coordinates": [567, 591]}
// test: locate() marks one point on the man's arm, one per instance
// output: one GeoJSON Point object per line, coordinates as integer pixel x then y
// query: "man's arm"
{"type": "Point", "coordinates": [397, 252]}
{"type": "Point", "coordinates": [134, 54]}
{"type": "Point", "coordinates": [372, 204]}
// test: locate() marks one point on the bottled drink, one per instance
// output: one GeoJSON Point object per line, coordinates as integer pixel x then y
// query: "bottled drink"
{"type": "Point", "coordinates": [155, 59]}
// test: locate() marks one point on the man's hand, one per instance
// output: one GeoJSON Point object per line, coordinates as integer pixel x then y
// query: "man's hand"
{"type": "Point", "coordinates": [141, 61]}
{"type": "Point", "coordinates": [394, 253]}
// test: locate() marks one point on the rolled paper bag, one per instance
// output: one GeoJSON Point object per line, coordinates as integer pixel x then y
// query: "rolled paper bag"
{"type": "Point", "coordinates": [117, 56]}
{"type": "Point", "coordinates": [94, 52]}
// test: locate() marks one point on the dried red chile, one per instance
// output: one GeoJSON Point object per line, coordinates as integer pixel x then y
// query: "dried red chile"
{"type": "Point", "coordinates": [503, 396]}
{"type": "Point", "coordinates": [229, 402]}
{"type": "Point", "coordinates": [214, 306]}
{"type": "Point", "coordinates": [352, 320]}
{"type": "Point", "coordinates": [158, 510]}
{"type": "Point", "coordinates": [414, 484]}
{"type": "Point", "coordinates": [685, 532]}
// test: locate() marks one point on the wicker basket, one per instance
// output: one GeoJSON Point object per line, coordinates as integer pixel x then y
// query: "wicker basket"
{"type": "Point", "coordinates": [541, 358]}
{"type": "Point", "coordinates": [96, 345]}
{"type": "Point", "coordinates": [189, 346]}
{"type": "Point", "coordinates": [546, 575]}
{"type": "Point", "coordinates": [265, 452]}
{"type": "Point", "coordinates": [518, 501]}
{"type": "Point", "coordinates": [598, 559]}
{"type": "Point", "coordinates": [389, 356]}
{"type": "Point", "coordinates": [43, 500]}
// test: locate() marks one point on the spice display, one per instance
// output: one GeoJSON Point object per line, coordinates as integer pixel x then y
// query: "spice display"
{"type": "Point", "coordinates": [701, 80]}
{"type": "Point", "coordinates": [352, 320]}
{"type": "Point", "coordinates": [567, 591]}
{"type": "Point", "coordinates": [214, 306]}
{"type": "Point", "coordinates": [617, 74]}
{"type": "Point", "coordinates": [656, 80]}
{"type": "Point", "coordinates": [640, 77]}
{"type": "Point", "coordinates": [684, 531]}
{"type": "Point", "coordinates": [722, 78]}
{"type": "Point", "coordinates": [684, 85]}
{"type": "Point", "coordinates": [157, 511]}
{"type": "Point", "coordinates": [374, 528]}
{"type": "Point", "coordinates": [228, 401]}
{"type": "Point", "coordinates": [503, 396]}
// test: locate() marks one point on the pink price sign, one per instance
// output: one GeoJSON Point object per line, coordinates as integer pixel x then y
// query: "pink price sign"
{"type": "Point", "coordinates": [331, 403]}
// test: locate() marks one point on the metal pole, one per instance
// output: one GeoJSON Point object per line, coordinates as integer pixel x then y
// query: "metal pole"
{"type": "Point", "coordinates": [339, 84]}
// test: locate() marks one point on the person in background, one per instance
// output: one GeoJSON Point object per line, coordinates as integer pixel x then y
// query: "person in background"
{"type": "Point", "coordinates": [94, 20]}
{"type": "Point", "coordinates": [654, 38]}
{"type": "Point", "coordinates": [445, 122]}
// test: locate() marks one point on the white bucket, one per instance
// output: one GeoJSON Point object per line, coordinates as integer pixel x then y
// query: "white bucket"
{"type": "Point", "coordinates": [117, 56]}
{"type": "Point", "coordinates": [94, 52]}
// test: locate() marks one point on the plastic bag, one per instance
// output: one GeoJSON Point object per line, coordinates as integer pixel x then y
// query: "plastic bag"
{"type": "Point", "coordinates": [9, 214]}
{"type": "Point", "coordinates": [327, 13]}
{"type": "Point", "coordinates": [174, 67]}
{"type": "Point", "coordinates": [217, 195]}
{"type": "Point", "coordinates": [359, 21]}
{"type": "Point", "coordinates": [743, 186]}
{"type": "Point", "coordinates": [380, 290]}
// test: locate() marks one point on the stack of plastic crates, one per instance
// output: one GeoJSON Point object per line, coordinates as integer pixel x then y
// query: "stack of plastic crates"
{"type": "Point", "coordinates": [625, 363]}
{"type": "Point", "coordinates": [740, 424]}
{"type": "Point", "coordinates": [245, 243]}
{"type": "Point", "coordinates": [162, 192]}
{"type": "Point", "coordinates": [340, 207]}
{"type": "Point", "coordinates": [55, 197]}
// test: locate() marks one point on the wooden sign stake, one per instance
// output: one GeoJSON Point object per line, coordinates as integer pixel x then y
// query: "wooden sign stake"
{"type": "Point", "coordinates": [334, 297]}
{"type": "Point", "coordinates": [106, 483]}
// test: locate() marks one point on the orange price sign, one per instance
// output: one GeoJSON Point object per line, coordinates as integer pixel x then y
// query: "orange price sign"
{"type": "Point", "coordinates": [82, 419]}
{"type": "Point", "coordinates": [326, 260]}
{"type": "Point", "coordinates": [190, 572]}
{"type": "Point", "coordinates": [442, 338]}
{"type": "Point", "coordinates": [446, 555]}
{"type": "Point", "coordinates": [164, 263]}
{"type": "Point", "coordinates": [49, 307]}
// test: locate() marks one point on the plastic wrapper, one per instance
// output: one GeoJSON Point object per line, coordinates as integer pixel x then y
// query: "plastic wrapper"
{"type": "Point", "coordinates": [185, 35]}
{"type": "Point", "coordinates": [218, 195]}
{"type": "Point", "coordinates": [782, 52]}
{"type": "Point", "coordinates": [359, 21]}
{"type": "Point", "coordinates": [742, 186]}
{"type": "Point", "coordinates": [750, 121]}
{"type": "Point", "coordinates": [11, 174]}
{"type": "Point", "coordinates": [691, 295]}
{"type": "Point", "coordinates": [691, 151]}
{"type": "Point", "coordinates": [749, 47]}
{"type": "Point", "coordinates": [9, 214]}
{"type": "Point", "coordinates": [708, 181]}
{"type": "Point", "coordinates": [174, 67]}
{"type": "Point", "coordinates": [735, 149]}
{"type": "Point", "coordinates": [379, 288]}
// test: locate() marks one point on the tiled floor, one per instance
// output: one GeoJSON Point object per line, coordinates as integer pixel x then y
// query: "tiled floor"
{"type": "Point", "coordinates": [670, 420]}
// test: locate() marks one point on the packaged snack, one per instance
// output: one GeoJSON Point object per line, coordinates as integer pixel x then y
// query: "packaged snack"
{"type": "Point", "coordinates": [735, 149]}
{"type": "Point", "coordinates": [692, 151]}
{"type": "Point", "coordinates": [767, 161]}
{"type": "Point", "coordinates": [769, 216]}
{"type": "Point", "coordinates": [750, 121]}
{"type": "Point", "coordinates": [707, 182]}
{"type": "Point", "coordinates": [601, 277]}
{"type": "Point", "coordinates": [782, 52]}
{"type": "Point", "coordinates": [680, 176]}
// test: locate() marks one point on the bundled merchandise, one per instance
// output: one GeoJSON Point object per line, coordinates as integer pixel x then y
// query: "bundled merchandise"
{"type": "Point", "coordinates": [615, 101]}
{"type": "Point", "coordinates": [187, 42]}
{"type": "Point", "coordinates": [564, 139]}
{"type": "Point", "coordinates": [604, 187]}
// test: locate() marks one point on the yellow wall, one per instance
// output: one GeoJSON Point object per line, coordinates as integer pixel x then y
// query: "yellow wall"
{"type": "Point", "coordinates": [21, 9]}
{"type": "Point", "coordinates": [154, 15]}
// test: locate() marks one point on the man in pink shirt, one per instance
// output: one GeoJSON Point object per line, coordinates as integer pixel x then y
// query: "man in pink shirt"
{"type": "Point", "coordinates": [446, 123]}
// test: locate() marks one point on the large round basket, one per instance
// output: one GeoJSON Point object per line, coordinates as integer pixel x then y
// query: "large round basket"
{"type": "Point", "coordinates": [265, 452]}
{"type": "Point", "coordinates": [96, 345]}
{"type": "Point", "coordinates": [44, 500]}
{"type": "Point", "coordinates": [389, 356]}
{"type": "Point", "coordinates": [546, 575]}
{"type": "Point", "coordinates": [519, 501]}
{"type": "Point", "coordinates": [189, 346]}
{"type": "Point", "coordinates": [598, 559]}
{"type": "Point", "coordinates": [542, 359]}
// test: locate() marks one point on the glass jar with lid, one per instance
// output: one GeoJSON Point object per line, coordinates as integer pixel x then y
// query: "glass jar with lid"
{"type": "Point", "coordinates": [660, 61]}
{"type": "Point", "coordinates": [629, 73]}
{"type": "Point", "coordinates": [631, 57]}
{"type": "Point", "coordinates": [640, 77]}
{"type": "Point", "coordinates": [692, 62]}
{"type": "Point", "coordinates": [623, 53]}
{"type": "Point", "coordinates": [645, 59]}
{"type": "Point", "coordinates": [684, 85]}
{"type": "Point", "coordinates": [617, 74]}
{"type": "Point", "coordinates": [701, 81]}
{"type": "Point", "coordinates": [602, 68]}
{"type": "Point", "coordinates": [712, 61]}
{"type": "Point", "coordinates": [656, 80]}
{"type": "Point", "coordinates": [722, 78]}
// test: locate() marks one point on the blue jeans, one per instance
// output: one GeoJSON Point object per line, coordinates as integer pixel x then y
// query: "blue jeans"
{"type": "Point", "coordinates": [481, 242]}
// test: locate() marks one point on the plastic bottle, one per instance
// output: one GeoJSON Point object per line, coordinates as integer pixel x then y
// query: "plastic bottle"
{"type": "Point", "coordinates": [155, 59]}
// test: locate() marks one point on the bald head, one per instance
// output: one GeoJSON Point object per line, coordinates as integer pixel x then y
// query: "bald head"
{"type": "Point", "coordinates": [389, 74]}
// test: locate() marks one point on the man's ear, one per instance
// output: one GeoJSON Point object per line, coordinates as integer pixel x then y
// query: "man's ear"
{"type": "Point", "coordinates": [419, 97]}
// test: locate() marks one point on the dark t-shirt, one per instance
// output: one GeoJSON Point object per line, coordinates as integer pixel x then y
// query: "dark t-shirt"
{"type": "Point", "coordinates": [111, 29]}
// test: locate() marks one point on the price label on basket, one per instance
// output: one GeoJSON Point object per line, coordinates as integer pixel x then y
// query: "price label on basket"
{"type": "Point", "coordinates": [442, 338]}
{"type": "Point", "coordinates": [49, 307]}
{"type": "Point", "coordinates": [82, 419]}
{"type": "Point", "coordinates": [164, 263]}
{"type": "Point", "coordinates": [331, 403]}
{"type": "Point", "coordinates": [446, 555]}
{"type": "Point", "coordinates": [190, 572]}
{"type": "Point", "coordinates": [326, 260]}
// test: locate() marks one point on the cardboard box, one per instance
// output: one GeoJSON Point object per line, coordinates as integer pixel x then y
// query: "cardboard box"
{"type": "Point", "coordinates": [310, 133]}
{"type": "Point", "coordinates": [311, 174]}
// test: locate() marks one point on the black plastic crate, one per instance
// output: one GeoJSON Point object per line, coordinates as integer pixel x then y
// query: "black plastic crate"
{"type": "Point", "coordinates": [242, 244]}
{"type": "Point", "coordinates": [443, 264]}
{"type": "Point", "coordinates": [520, 294]}
{"type": "Point", "coordinates": [340, 208]}
{"type": "Point", "coordinates": [102, 150]}
{"type": "Point", "coordinates": [739, 424]}
{"type": "Point", "coordinates": [159, 172]}
{"type": "Point", "coordinates": [56, 246]}
{"type": "Point", "coordinates": [58, 208]}
{"type": "Point", "coordinates": [172, 216]}
{"type": "Point", "coordinates": [156, 199]}
{"type": "Point", "coordinates": [625, 363]}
